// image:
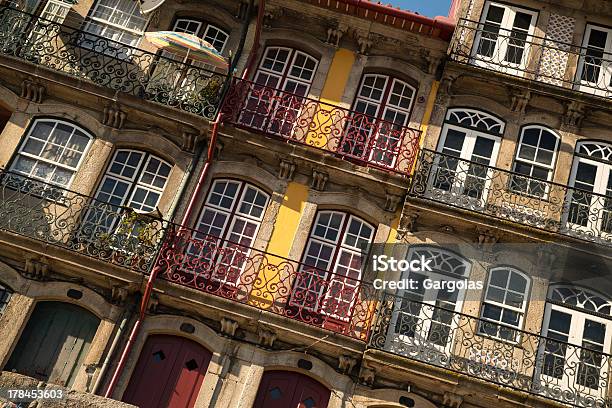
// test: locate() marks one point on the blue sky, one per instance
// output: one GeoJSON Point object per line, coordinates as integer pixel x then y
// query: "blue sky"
{"type": "Point", "coordinates": [429, 8]}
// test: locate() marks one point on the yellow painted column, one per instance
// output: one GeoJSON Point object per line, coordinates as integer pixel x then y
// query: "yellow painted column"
{"type": "Point", "coordinates": [431, 100]}
{"type": "Point", "coordinates": [338, 75]}
{"type": "Point", "coordinates": [288, 219]}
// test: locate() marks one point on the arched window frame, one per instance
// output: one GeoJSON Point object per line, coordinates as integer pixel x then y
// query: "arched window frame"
{"type": "Point", "coordinates": [205, 30]}
{"type": "Point", "coordinates": [289, 77]}
{"type": "Point", "coordinates": [526, 183]}
{"type": "Point", "coordinates": [473, 137]}
{"type": "Point", "coordinates": [336, 243]}
{"type": "Point", "coordinates": [101, 22]}
{"type": "Point", "coordinates": [32, 137]}
{"type": "Point", "coordinates": [496, 326]}
{"type": "Point", "coordinates": [571, 330]}
{"type": "Point", "coordinates": [382, 106]}
{"type": "Point", "coordinates": [589, 207]}
{"type": "Point", "coordinates": [230, 220]}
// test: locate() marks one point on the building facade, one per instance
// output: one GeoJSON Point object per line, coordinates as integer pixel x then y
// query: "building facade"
{"type": "Point", "coordinates": [176, 236]}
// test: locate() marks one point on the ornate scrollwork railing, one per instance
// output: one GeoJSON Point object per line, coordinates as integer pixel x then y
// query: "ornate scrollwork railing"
{"type": "Point", "coordinates": [357, 137]}
{"type": "Point", "coordinates": [342, 304]}
{"type": "Point", "coordinates": [79, 223]}
{"type": "Point", "coordinates": [512, 196]}
{"type": "Point", "coordinates": [531, 57]}
{"type": "Point", "coordinates": [492, 352]}
{"type": "Point", "coordinates": [109, 64]}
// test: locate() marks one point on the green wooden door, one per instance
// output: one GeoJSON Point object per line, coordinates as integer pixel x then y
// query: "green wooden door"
{"type": "Point", "coordinates": [54, 343]}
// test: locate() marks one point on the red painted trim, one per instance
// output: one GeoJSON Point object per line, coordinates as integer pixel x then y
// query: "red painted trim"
{"type": "Point", "coordinates": [438, 27]}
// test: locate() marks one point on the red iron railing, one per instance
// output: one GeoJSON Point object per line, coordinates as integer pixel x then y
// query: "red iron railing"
{"type": "Point", "coordinates": [342, 304]}
{"type": "Point", "coordinates": [354, 136]}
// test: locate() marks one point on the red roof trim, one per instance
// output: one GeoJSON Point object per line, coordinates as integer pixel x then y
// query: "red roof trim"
{"type": "Point", "coordinates": [438, 27]}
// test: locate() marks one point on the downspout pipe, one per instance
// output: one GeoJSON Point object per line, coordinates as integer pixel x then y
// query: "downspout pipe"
{"type": "Point", "coordinates": [146, 297]}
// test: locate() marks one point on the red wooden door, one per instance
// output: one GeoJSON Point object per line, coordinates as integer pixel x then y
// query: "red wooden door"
{"type": "Point", "coordinates": [168, 374]}
{"type": "Point", "coordinates": [288, 389]}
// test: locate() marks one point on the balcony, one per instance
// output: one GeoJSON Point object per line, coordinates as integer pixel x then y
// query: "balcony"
{"type": "Point", "coordinates": [499, 354]}
{"type": "Point", "coordinates": [514, 197]}
{"type": "Point", "coordinates": [356, 137]}
{"type": "Point", "coordinates": [78, 223]}
{"type": "Point", "coordinates": [109, 64]}
{"type": "Point", "coordinates": [335, 302]}
{"type": "Point", "coordinates": [533, 58]}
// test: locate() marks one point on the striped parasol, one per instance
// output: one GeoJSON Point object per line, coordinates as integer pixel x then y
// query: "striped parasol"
{"type": "Point", "coordinates": [187, 45]}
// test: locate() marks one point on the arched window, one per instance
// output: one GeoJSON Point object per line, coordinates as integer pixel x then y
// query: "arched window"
{"type": "Point", "coordinates": [133, 179]}
{"type": "Point", "coordinates": [468, 146]}
{"type": "Point", "coordinates": [578, 327]}
{"type": "Point", "coordinates": [504, 303]}
{"type": "Point", "coordinates": [383, 106]}
{"type": "Point", "coordinates": [226, 230]}
{"type": "Point", "coordinates": [332, 263]}
{"type": "Point", "coordinates": [233, 211]}
{"type": "Point", "coordinates": [5, 296]}
{"type": "Point", "coordinates": [590, 212]}
{"type": "Point", "coordinates": [214, 35]}
{"type": "Point", "coordinates": [275, 99]}
{"type": "Point", "coordinates": [423, 312]}
{"type": "Point", "coordinates": [117, 20]}
{"type": "Point", "coordinates": [535, 158]}
{"type": "Point", "coordinates": [52, 151]}
{"type": "Point", "coordinates": [593, 70]}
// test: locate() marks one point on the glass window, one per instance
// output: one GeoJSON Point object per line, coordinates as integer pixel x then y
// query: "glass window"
{"type": "Point", "coordinates": [590, 209]}
{"type": "Point", "coordinates": [504, 37]}
{"type": "Point", "coordinates": [594, 66]}
{"type": "Point", "coordinates": [382, 109]}
{"type": "Point", "coordinates": [284, 75]}
{"type": "Point", "coordinates": [535, 159]}
{"type": "Point", "coordinates": [133, 179]}
{"type": "Point", "coordinates": [52, 152]}
{"type": "Point", "coordinates": [233, 213]}
{"type": "Point", "coordinates": [578, 332]}
{"type": "Point", "coordinates": [117, 20]}
{"type": "Point", "coordinates": [504, 305]}
{"type": "Point", "coordinates": [332, 263]}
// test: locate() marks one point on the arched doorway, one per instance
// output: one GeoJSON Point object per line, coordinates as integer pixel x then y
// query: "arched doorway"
{"type": "Point", "coordinates": [168, 374]}
{"type": "Point", "coordinates": [54, 342]}
{"type": "Point", "coordinates": [283, 389]}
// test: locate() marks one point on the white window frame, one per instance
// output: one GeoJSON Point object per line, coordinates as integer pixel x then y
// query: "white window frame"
{"type": "Point", "coordinates": [497, 62]}
{"type": "Point", "coordinates": [605, 73]}
{"type": "Point", "coordinates": [233, 215]}
{"type": "Point", "coordinates": [383, 105]}
{"type": "Point", "coordinates": [602, 178]}
{"type": "Point", "coordinates": [467, 150]}
{"type": "Point", "coordinates": [430, 297]}
{"type": "Point", "coordinates": [579, 315]}
{"type": "Point", "coordinates": [534, 163]}
{"type": "Point", "coordinates": [106, 23]}
{"type": "Point", "coordinates": [271, 99]}
{"type": "Point", "coordinates": [74, 169]}
{"type": "Point", "coordinates": [331, 274]}
{"type": "Point", "coordinates": [521, 311]}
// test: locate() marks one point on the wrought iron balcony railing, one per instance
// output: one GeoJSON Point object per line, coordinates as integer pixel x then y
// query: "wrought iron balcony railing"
{"type": "Point", "coordinates": [336, 302]}
{"type": "Point", "coordinates": [77, 222]}
{"type": "Point", "coordinates": [585, 69]}
{"type": "Point", "coordinates": [512, 196]}
{"type": "Point", "coordinates": [109, 64]}
{"type": "Point", "coordinates": [354, 136]}
{"type": "Point", "coordinates": [500, 354]}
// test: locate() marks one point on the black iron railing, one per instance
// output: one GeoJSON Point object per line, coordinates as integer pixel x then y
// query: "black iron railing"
{"type": "Point", "coordinates": [110, 64]}
{"type": "Point", "coordinates": [512, 196]}
{"type": "Point", "coordinates": [535, 58]}
{"type": "Point", "coordinates": [492, 352]}
{"type": "Point", "coordinates": [77, 222]}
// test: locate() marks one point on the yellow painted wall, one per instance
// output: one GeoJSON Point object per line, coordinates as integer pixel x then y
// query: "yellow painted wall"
{"type": "Point", "coordinates": [431, 100]}
{"type": "Point", "coordinates": [288, 219]}
{"type": "Point", "coordinates": [327, 120]}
